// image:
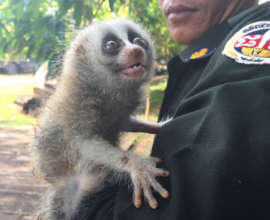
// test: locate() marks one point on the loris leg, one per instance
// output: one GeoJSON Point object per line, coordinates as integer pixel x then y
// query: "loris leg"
{"type": "Point", "coordinates": [60, 202]}
{"type": "Point", "coordinates": [53, 204]}
{"type": "Point", "coordinates": [135, 124]}
{"type": "Point", "coordinates": [143, 171]}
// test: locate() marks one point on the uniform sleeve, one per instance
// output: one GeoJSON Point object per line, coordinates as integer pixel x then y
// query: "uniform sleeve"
{"type": "Point", "coordinates": [217, 149]}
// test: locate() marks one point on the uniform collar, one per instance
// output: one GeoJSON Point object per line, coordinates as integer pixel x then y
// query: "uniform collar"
{"type": "Point", "coordinates": [257, 11]}
{"type": "Point", "coordinates": [206, 45]}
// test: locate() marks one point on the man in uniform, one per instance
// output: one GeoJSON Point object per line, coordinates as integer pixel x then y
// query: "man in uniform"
{"type": "Point", "coordinates": [217, 146]}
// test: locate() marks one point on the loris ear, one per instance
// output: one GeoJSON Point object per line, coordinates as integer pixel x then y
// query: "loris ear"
{"type": "Point", "coordinates": [80, 51]}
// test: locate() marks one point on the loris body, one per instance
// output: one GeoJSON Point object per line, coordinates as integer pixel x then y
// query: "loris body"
{"type": "Point", "coordinates": [76, 146]}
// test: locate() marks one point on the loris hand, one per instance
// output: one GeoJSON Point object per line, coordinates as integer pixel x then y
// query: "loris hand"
{"type": "Point", "coordinates": [143, 174]}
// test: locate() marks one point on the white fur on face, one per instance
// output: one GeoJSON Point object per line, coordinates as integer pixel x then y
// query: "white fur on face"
{"type": "Point", "coordinates": [99, 66]}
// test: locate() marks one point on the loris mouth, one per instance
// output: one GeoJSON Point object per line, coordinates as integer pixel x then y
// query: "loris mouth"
{"type": "Point", "coordinates": [134, 70]}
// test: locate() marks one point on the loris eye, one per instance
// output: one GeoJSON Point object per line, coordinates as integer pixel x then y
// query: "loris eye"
{"type": "Point", "coordinates": [141, 42]}
{"type": "Point", "coordinates": [112, 46]}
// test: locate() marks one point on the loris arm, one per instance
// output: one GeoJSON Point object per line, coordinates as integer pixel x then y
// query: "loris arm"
{"type": "Point", "coordinates": [137, 125]}
{"type": "Point", "coordinates": [142, 171]}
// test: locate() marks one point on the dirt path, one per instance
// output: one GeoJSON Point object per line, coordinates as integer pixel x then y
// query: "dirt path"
{"type": "Point", "coordinates": [19, 189]}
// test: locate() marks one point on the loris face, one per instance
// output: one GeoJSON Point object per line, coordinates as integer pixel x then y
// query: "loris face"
{"type": "Point", "coordinates": [118, 51]}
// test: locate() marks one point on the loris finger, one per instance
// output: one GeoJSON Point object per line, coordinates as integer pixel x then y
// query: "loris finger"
{"type": "Point", "coordinates": [149, 196]}
{"type": "Point", "coordinates": [157, 160]}
{"type": "Point", "coordinates": [162, 173]}
{"type": "Point", "coordinates": [137, 197]}
{"type": "Point", "coordinates": [159, 188]}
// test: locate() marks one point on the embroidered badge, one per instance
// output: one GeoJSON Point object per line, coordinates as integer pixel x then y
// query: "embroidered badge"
{"type": "Point", "coordinates": [199, 54]}
{"type": "Point", "coordinates": [250, 45]}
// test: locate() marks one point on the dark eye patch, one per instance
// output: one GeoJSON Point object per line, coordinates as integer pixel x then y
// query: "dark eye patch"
{"type": "Point", "coordinates": [135, 38]}
{"type": "Point", "coordinates": [111, 45]}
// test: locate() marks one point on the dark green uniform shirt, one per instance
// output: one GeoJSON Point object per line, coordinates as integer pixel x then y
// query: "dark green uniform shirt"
{"type": "Point", "coordinates": [217, 147]}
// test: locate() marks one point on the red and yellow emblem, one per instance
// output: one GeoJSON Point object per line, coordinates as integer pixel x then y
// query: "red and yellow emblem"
{"type": "Point", "coordinates": [250, 45]}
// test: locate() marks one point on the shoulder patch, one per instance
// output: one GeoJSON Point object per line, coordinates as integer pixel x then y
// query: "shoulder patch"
{"type": "Point", "coordinates": [198, 54]}
{"type": "Point", "coordinates": [201, 53]}
{"type": "Point", "coordinates": [250, 45]}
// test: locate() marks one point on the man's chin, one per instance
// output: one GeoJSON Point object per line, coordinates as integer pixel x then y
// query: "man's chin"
{"type": "Point", "coordinates": [185, 34]}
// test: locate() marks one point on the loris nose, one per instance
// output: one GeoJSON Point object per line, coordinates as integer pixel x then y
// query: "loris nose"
{"type": "Point", "coordinates": [136, 53]}
{"type": "Point", "coordinates": [133, 56]}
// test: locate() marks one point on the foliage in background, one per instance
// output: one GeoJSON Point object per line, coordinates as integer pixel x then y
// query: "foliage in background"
{"type": "Point", "coordinates": [149, 14]}
{"type": "Point", "coordinates": [39, 29]}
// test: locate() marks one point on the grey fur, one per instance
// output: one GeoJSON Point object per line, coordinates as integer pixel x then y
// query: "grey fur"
{"type": "Point", "coordinates": [76, 145]}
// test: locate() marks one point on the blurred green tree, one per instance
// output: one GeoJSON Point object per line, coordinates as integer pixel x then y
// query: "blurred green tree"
{"type": "Point", "coordinates": [40, 29]}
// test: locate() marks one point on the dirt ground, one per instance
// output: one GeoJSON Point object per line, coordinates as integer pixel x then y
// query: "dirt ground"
{"type": "Point", "coordinates": [19, 190]}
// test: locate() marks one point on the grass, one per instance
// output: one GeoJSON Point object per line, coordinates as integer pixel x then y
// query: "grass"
{"type": "Point", "coordinates": [156, 95]}
{"type": "Point", "coordinates": [157, 92]}
{"type": "Point", "coordinates": [9, 91]}
{"type": "Point", "coordinates": [9, 112]}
